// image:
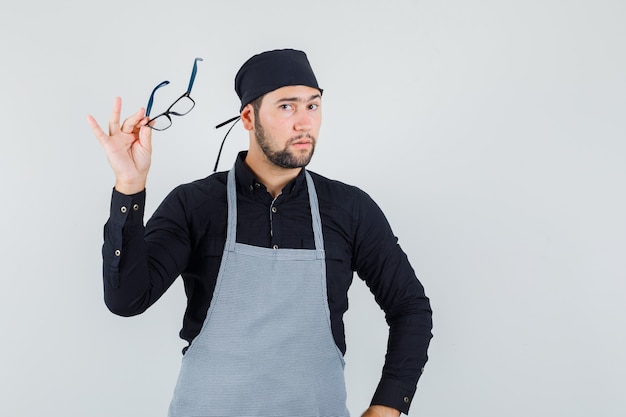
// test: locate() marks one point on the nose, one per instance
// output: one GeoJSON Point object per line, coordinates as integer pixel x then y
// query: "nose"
{"type": "Point", "coordinates": [303, 122]}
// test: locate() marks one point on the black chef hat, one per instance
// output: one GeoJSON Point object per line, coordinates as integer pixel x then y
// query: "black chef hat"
{"type": "Point", "coordinates": [271, 70]}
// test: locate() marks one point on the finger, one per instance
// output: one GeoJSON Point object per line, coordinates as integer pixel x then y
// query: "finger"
{"type": "Point", "coordinates": [145, 134]}
{"type": "Point", "coordinates": [97, 130]}
{"type": "Point", "coordinates": [132, 123]}
{"type": "Point", "coordinates": [114, 120]}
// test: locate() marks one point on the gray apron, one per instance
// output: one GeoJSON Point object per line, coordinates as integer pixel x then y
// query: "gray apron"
{"type": "Point", "coordinates": [266, 348]}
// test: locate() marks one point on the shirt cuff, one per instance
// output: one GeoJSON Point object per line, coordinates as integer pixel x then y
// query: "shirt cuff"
{"type": "Point", "coordinates": [127, 210]}
{"type": "Point", "coordinates": [392, 393]}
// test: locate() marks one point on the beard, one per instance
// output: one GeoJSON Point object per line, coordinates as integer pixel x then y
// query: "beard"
{"type": "Point", "coordinates": [283, 158]}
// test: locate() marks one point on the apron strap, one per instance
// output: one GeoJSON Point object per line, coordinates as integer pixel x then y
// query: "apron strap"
{"type": "Point", "coordinates": [315, 216]}
{"type": "Point", "coordinates": [231, 195]}
{"type": "Point", "coordinates": [231, 233]}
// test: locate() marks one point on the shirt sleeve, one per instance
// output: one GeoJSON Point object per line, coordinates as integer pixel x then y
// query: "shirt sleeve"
{"type": "Point", "coordinates": [137, 268]}
{"type": "Point", "coordinates": [385, 268]}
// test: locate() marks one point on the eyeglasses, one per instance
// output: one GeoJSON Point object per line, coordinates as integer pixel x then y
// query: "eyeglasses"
{"type": "Point", "coordinates": [180, 107]}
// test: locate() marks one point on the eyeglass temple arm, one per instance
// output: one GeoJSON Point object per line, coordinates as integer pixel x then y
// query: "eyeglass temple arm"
{"type": "Point", "coordinates": [193, 74]}
{"type": "Point", "coordinates": [151, 99]}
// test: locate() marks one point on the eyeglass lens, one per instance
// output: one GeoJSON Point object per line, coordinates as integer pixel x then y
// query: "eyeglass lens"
{"type": "Point", "coordinates": [181, 107]}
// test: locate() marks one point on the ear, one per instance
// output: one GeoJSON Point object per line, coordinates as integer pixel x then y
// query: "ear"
{"type": "Point", "coordinates": [247, 117]}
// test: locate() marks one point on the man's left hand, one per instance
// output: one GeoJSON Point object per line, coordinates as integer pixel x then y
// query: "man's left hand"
{"type": "Point", "coordinates": [381, 411]}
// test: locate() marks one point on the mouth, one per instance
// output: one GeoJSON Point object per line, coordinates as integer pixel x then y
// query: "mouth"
{"type": "Point", "coordinates": [302, 145]}
{"type": "Point", "coordinates": [302, 142]}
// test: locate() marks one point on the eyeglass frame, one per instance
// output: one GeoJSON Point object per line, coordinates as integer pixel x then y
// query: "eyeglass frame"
{"type": "Point", "coordinates": [168, 112]}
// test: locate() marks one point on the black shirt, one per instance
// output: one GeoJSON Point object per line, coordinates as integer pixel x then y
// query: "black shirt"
{"type": "Point", "coordinates": [186, 236]}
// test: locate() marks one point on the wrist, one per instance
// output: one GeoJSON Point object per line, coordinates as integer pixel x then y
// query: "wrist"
{"type": "Point", "coordinates": [381, 411]}
{"type": "Point", "coordinates": [130, 188]}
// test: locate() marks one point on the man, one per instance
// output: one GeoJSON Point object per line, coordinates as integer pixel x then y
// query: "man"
{"type": "Point", "coordinates": [267, 253]}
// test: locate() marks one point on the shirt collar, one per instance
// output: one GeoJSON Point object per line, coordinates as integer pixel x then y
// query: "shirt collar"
{"type": "Point", "coordinates": [246, 179]}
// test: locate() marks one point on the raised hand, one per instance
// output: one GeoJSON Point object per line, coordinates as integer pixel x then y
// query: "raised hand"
{"type": "Point", "coordinates": [128, 148]}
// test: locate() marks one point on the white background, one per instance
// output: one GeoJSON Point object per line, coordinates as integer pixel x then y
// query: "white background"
{"type": "Point", "coordinates": [492, 134]}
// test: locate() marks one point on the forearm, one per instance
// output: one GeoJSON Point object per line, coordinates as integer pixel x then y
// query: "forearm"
{"type": "Point", "coordinates": [134, 277]}
{"type": "Point", "coordinates": [409, 316]}
{"type": "Point", "coordinates": [123, 250]}
{"type": "Point", "coordinates": [407, 346]}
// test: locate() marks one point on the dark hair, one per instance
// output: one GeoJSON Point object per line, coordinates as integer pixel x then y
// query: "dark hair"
{"type": "Point", "coordinates": [256, 105]}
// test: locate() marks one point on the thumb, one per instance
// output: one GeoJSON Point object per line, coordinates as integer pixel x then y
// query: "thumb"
{"type": "Point", "coordinates": [145, 134]}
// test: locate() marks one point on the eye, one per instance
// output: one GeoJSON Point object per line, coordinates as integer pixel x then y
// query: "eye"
{"type": "Point", "coordinates": [286, 106]}
{"type": "Point", "coordinates": [313, 106]}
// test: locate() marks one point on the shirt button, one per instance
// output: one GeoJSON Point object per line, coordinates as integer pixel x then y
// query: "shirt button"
{"type": "Point", "coordinates": [135, 207]}
{"type": "Point", "coordinates": [123, 209]}
{"type": "Point", "coordinates": [275, 246]}
{"type": "Point", "coordinates": [118, 252]}
{"type": "Point", "coordinates": [274, 209]}
{"type": "Point", "coordinates": [406, 400]}
{"type": "Point", "coordinates": [251, 187]}
{"type": "Point", "coordinates": [257, 185]}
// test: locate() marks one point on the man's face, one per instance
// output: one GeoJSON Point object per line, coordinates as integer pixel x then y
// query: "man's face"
{"type": "Point", "coordinates": [287, 124]}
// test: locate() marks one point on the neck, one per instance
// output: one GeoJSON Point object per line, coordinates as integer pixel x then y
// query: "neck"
{"type": "Point", "coordinates": [274, 178]}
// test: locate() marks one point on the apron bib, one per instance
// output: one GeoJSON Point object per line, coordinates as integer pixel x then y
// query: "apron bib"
{"type": "Point", "coordinates": [266, 347]}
